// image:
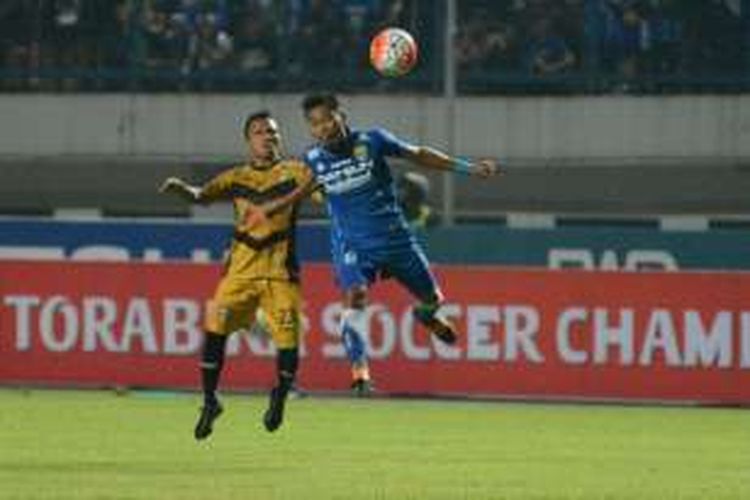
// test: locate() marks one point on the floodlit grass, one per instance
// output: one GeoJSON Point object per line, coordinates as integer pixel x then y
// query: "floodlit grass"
{"type": "Point", "coordinates": [86, 445]}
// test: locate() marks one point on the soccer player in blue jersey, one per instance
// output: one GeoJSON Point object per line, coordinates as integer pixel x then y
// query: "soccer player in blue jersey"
{"type": "Point", "coordinates": [370, 236]}
{"type": "Point", "coordinates": [369, 233]}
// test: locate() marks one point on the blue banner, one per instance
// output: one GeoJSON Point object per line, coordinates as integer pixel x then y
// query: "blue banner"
{"type": "Point", "coordinates": [593, 247]}
{"type": "Point", "coordinates": [580, 247]}
{"type": "Point", "coordinates": [152, 241]}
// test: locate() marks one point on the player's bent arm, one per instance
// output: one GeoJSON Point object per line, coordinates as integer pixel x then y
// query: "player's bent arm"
{"type": "Point", "coordinates": [428, 157]}
{"type": "Point", "coordinates": [303, 191]}
{"type": "Point", "coordinates": [258, 214]}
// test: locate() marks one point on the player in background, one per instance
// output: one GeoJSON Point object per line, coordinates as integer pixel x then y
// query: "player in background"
{"type": "Point", "coordinates": [412, 189]}
{"type": "Point", "coordinates": [261, 270]}
{"type": "Point", "coordinates": [370, 237]}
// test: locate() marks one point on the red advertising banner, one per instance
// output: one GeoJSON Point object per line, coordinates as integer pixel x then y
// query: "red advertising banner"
{"type": "Point", "coordinates": [525, 333]}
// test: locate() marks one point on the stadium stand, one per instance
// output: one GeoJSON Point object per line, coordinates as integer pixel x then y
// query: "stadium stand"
{"type": "Point", "coordinates": [502, 47]}
{"type": "Point", "coordinates": [573, 48]}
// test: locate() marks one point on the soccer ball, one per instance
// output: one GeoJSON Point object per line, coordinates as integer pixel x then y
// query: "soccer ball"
{"type": "Point", "coordinates": [393, 52]}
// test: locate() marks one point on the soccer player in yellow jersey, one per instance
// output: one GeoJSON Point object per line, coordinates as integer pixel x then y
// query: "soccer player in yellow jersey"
{"type": "Point", "coordinates": [261, 270]}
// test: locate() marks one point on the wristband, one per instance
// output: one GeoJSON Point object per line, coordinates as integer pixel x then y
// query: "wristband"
{"type": "Point", "coordinates": [463, 166]}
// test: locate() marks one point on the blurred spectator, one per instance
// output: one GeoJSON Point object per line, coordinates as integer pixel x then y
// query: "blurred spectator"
{"type": "Point", "coordinates": [548, 53]}
{"type": "Point", "coordinates": [487, 39]}
{"type": "Point", "coordinates": [362, 16]}
{"type": "Point", "coordinates": [324, 29]}
{"type": "Point", "coordinates": [633, 41]}
{"type": "Point", "coordinates": [501, 47]}
{"type": "Point", "coordinates": [322, 40]}
{"type": "Point", "coordinates": [626, 38]}
{"type": "Point", "coordinates": [470, 43]}
{"type": "Point", "coordinates": [665, 38]}
{"type": "Point", "coordinates": [395, 13]}
{"type": "Point", "coordinates": [713, 37]}
{"type": "Point", "coordinates": [213, 46]}
{"type": "Point", "coordinates": [293, 44]}
{"type": "Point", "coordinates": [19, 26]}
{"type": "Point", "coordinates": [255, 42]}
{"type": "Point", "coordinates": [162, 43]}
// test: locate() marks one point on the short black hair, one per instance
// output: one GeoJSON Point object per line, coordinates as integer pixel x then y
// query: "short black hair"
{"type": "Point", "coordinates": [312, 101]}
{"type": "Point", "coordinates": [258, 115]}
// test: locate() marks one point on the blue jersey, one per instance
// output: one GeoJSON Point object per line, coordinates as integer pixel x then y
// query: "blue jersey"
{"type": "Point", "coordinates": [370, 237]}
{"type": "Point", "coordinates": [359, 189]}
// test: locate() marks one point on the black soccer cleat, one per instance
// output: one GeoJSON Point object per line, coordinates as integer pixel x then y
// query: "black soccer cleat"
{"type": "Point", "coordinates": [442, 329]}
{"type": "Point", "coordinates": [362, 388]}
{"type": "Point", "coordinates": [274, 415]}
{"type": "Point", "coordinates": [205, 425]}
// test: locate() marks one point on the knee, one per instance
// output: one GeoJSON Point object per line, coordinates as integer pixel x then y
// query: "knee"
{"type": "Point", "coordinates": [356, 298]}
{"type": "Point", "coordinates": [434, 299]}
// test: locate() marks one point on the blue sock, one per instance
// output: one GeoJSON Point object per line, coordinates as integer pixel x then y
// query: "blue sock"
{"type": "Point", "coordinates": [354, 345]}
{"type": "Point", "coordinates": [351, 333]}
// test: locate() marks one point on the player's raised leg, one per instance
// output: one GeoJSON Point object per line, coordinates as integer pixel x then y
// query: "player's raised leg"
{"type": "Point", "coordinates": [428, 314]}
{"type": "Point", "coordinates": [409, 266]}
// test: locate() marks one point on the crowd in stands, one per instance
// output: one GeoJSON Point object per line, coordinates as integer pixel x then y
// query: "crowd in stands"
{"type": "Point", "coordinates": [626, 41]}
{"type": "Point", "coordinates": [290, 44]}
{"type": "Point", "coordinates": [168, 43]}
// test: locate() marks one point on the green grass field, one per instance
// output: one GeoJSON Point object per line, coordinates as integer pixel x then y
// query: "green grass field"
{"type": "Point", "coordinates": [86, 445]}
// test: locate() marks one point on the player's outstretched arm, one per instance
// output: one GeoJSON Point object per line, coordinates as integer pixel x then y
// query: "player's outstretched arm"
{"type": "Point", "coordinates": [175, 185]}
{"type": "Point", "coordinates": [432, 158]}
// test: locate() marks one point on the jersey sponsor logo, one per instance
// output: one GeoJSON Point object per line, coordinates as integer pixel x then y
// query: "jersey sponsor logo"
{"type": "Point", "coordinates": [347, 175]}
{"type": "Point", "coordinates": [313, 154]}
{"type": "Point", "coordinates": [360, 152]}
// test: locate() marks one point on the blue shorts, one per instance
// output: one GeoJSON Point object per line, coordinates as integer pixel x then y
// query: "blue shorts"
{"type": "Point", "coordinates": [404, 260]}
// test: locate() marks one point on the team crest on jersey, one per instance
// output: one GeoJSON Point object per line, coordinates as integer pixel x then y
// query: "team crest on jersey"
{"type": "Point", "coordinates": [360, 151]}
{"type": "Point", "coordinates": [350, 258]}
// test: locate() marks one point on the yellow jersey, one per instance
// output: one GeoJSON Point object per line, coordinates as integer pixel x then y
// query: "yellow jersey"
{"type": "Point", "coordinates": [266, 251]}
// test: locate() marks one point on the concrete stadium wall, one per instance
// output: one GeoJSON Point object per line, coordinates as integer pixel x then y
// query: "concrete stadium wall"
{"type": "Point", "coordinates": [559, 131]}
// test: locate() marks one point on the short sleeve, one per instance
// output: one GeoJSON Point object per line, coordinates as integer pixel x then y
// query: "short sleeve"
{"type": "Point", "coordinates": [309, 157]}
{"type": "Point", "coordinates": [300, 171]}
{"type": "Point", "coordinates": [390, 144]}
{"type": "Point", "coordinates": [219, 187]}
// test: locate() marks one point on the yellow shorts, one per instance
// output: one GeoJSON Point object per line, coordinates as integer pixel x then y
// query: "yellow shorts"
{"type": "Point", "coordinates": [236, 302]}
